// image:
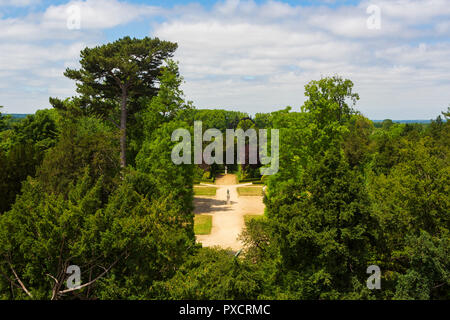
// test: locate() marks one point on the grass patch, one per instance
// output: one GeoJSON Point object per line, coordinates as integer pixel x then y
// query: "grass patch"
{"type": "Point", "coordinates": [250, 191]}
{"type": "Point", "coordinates": [249, 217]}
{"type": "Point", "coordinates": [205, 191]}
{"type": "Point", "coordinates": [202, 224]}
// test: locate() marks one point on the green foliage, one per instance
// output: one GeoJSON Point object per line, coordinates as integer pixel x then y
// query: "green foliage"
{"type": "Point", "coordinates": [246, 124]}
{"type": "Point", "coordinates": [22, 148]}
{"type": "Point", "coordinates": [273, 119]}
{"type": "Point", "coordinates": [137, 239]}
{"type": "Point", "coordinates": [160, 109]}
{"type": "Point", "coordinates": [40, 129]}
{"type": "Point", "coordinates": [168, 102]}
{"type": "Point", "coordinates": [414, 195]}
{"type": "Point", "coordinates": [411, 203]}
{"type": "Point", "coordinates": [428, 275]}
{"type": "Point", "coordinates": [114, 77]}
{"type": "Point", "coordinates": [124, 231]}
{"type": "Point", "coordinates": [328, 100]}
{"type": "Point", "coordinates": [213, 118]}
{"type": "Point", "coordinates": [317, 206]}
{"type": "Point", "coordinates": [38, 236]}
{"type": "Point", "coordinates": [322, 226]}
{"type": "Point", "coordinates": [84, 142]}
{"type": "Point", "coordinates": [386, 124]}
{"type": "Point", "coordinates": [3, 121]}
{"type": "Point", "coordinates": [107, 69]}
{"type": "Point", "coordinates": [155, 160]}
{"type": "Point", "coordinates": [347, 196]}
{"type": "Point", "coordinates": [155, 233]}
{"type": "Point", "coordinates": [256, 238]}
{"type": "Point", "coordinates": [211, 275]}
{"type": "Point", "coordinates": [15, 166]}
{"type": "Point", "coordinates": [357, 143]}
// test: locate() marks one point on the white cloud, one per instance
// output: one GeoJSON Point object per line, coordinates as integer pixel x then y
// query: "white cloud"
{"type": "Point", "coordinates": [282, 47]}
{"type": "Point", "coordinates": [248, 56]}
{"type": "Point", "coordinates": [37, 48]}
{"type": "Point", "coordinates": [99, 14]}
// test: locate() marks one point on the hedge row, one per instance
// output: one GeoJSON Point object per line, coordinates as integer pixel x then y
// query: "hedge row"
{"type": "Point", "coordinates": [212, 180]}
{"type": "Point", "coordinates": [257, 182]}
{"type": "Point", "coordinates": [249, 180]}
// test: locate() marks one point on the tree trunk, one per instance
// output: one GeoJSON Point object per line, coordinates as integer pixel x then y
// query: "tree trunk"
{"type": "Point", "coordinates": [123, 129]}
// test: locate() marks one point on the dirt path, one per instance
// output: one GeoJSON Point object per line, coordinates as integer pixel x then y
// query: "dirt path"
{"type": "Point", "coordinates": [228, 220]}
{"type": "Point", "coordinates": [226, 180]}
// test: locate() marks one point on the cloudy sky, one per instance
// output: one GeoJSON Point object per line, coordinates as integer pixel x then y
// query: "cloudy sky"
{"type": "Point", "coordinates": [254, 56]}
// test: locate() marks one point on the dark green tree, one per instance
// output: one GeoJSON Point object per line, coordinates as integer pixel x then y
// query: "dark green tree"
{"type": "Point", "coordinates": [83, 142]}
{"type": "Point", "coordinates": [114, 76]}
{"type": "Point", "coordinates": [317, 205]}
{"type": "Point", "coordinates": [330, 99]}
{"type": "Point", "coordinates": [3, 120]}
{"type": "Point", "coordinates": [211, 274]}
{"type": "Point", "coordinates": [23, 147]}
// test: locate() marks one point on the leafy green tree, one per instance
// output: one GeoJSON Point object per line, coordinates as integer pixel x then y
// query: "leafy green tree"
{"type": "Point", "coordinates": [386, 124]}
{"type": "Point", "coordinates": [22, 151]}
{"type": "Point", "coordinates": [83, 142]}
{"type": "Point", "coordinates": [155, 160]}
{"type": "Point", "coordinates": [211, 274]}
{"type": "Point", "coordinates": [39, 129]}
{"type": "Point", "coordinates": [15, 166]}
{"type": "Point", "coordinates": [428, 275]}
{"type": "Point", "coordinates": [213, 118]}
{"type": "Point", "coordinates": [439, 129]}
{"type": "Point", "coordinates": [357, 143]}
{"type": "Point", "coordinates": [256, 238]}
{"type": "Point", "coordinates": [38, 239]}
{"type": "Point", "coordinates": [414, 195]}
{"type": "Point", "coordinates": [246, 124]}
{"type": "Point", "coordinates": [411, 204]}
{"type": "Point", "coordinates": [122, 243]}
{"type": "Point", "coordinates": [153, 231]}
{"type": "Point", "coordinates": [246, 169]}
{"type": "Point", "coordinates": [160, 109]}
{"type": "Point", "coordinates": [323, 227]}
{"type": "Point", "coordinates": [113, 77]}
{"type": "Point", "coordinates": [330, 99]}
{"type": "Point", "coordinates": [169, 101]}
{"type": "Point", "coordinates": [329, 107]}
{"type": "Point", "coordinates": [3, 120]}
{"type": "Point", "coordinates": [317, 205]}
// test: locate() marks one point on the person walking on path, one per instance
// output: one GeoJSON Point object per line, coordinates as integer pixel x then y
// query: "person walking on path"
{"type": "Point", "coordinates": [228, 196]}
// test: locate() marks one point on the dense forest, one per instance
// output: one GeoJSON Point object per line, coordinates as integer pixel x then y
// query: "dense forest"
{"type": "Point", "coordinates": [90, 182]}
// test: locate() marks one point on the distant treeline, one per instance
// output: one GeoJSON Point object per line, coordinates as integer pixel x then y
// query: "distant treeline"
{"type": "Point", "coordinates": [376, 122]}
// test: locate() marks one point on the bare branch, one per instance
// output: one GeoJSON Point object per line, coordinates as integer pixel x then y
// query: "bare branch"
{"type": "Point", "coordinates": [91, 282]}
{"type": "Point", "coordinates": [113, 122]}
{"type": "Point", "coordinates": [439, 285]}
{"type": "Point", "coordinates": [20, 281]}
{"type": "Point", "coordinates": [56, 280]}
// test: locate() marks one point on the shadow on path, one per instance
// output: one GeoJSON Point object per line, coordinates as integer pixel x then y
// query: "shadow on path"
{"type": "Point", "coordinates": [208, 205]}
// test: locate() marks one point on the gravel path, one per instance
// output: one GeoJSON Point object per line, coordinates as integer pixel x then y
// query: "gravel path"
{"type": "Point", "coordinates": [228, 220]}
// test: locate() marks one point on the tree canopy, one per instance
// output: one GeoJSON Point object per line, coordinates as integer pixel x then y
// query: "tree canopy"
{"type": "Point", "coordinates": [113, 77]}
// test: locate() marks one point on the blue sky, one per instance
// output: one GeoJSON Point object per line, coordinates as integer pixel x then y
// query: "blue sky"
{"type": "Point", "coordinates": [254, 56]}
